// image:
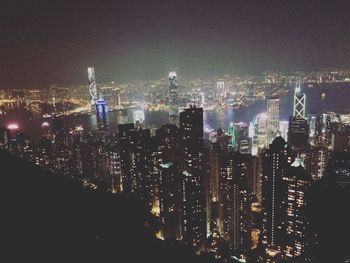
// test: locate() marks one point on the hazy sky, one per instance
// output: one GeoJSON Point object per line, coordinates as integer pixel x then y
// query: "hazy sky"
{"type": "Point", "coordinates": [47, 42]}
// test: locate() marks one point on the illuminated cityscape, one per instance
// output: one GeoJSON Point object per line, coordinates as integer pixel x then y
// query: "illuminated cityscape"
{"type": "Point", "coordinates": [206, 162]}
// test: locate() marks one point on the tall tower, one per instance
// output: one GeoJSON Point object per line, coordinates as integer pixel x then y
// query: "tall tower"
{"type": "Point", "coordinates": [260, 131]}
{"type": "Point", "coordinates": [273, 118]}
{"type": "Point", "coordinates": [92, 85]}
{"type": "Point", "coordinates": [193, 184]}
{"type": "Point", "coordinates": [173, 99]}
{"type": "Point", "coordinates": [169, 181]}
{"type": "Point", "coordinates": [250, 91]}
{"type": "Point", "coordinates": [299, 102]}
{"type": "Point", "coordinates": [102, 118]}
{"type": "Point", "coordinates": [235, 199]}
{"type": "Point", "coordinates": [276, 161]}
{"type": "Point", "coordinates": [298, 133]}
{"type": "Point", "coordinates": [297, 224]}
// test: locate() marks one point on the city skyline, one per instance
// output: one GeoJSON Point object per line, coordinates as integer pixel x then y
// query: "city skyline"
{"type": "Point", "coordinates": [203, 131]}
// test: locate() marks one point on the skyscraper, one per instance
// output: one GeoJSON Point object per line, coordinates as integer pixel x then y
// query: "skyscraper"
{"type": "Point", "coordinates": [299, 102]}
{"type": "Point", "coordinates": [297, 223]}
{"type": "Point", "coordinates": [173, 99]}
{"type": "Point", "coordinates": [126, 137]}
{"type": "Point", "coordinates": [193, 183]}
{"type": "Point", "coordinates": [235, 200]}
{"type": "Point", "coordinates": [298, 133]}
{"type": "Point", "coordinates": [215, 211]}
{"type": "Point", "coordinates": [170, 179]}
{"type": "Point", "coordinates": [250, 91]}
{"type": "Point", "coordinates": [259, 132]}
{"type": "Point", "coordinates": [276, 161]}
{"type": "Point", "coordinates": [314, 129]}
{"type": "Point", "coordinates": [284, 129]}
{"type": "Point", "coordinates": [92, 85]}
{"type": "Point", "coordinates": [273, 118]}
{"type": "Point", "coordinates": [315, 160]}
{"type": "Point", "coordinates": [102, 118]}
{"type": "Point", "coordinates": [220, 91]}
{"type": "Point", "coordinates": [240, 137]}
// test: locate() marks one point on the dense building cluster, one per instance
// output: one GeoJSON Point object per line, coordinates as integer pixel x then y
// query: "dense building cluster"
{"type": "Point", "coordinates": [234, 195]}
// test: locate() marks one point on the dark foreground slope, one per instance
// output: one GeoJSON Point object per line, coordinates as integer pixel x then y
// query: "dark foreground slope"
{"type": "Point", "coordinates": [53, 219]}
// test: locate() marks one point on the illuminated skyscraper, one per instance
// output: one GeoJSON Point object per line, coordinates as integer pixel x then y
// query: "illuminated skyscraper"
{"type": "Point", "coordinates": [92, 85]}
{"type": "Point", "coordinates": [239, 132]}
{"type": "Point", "coordinates": [170, 179]}
{"type": "Point", "coordinates": [276, 161]}
{"type": "Point", "coordinates": [315, 160]}
{"type": "Point", "coordinates": [314, 130]}
{"type": "Point", "coordinates": [273, 118]}
{"type": "Point", "coordinates": [139, 118]}
{"type": "Point", "coordinates": [284, 129]}
{"type": "Point", "coordinates": [299, 102]}
{"type": "Point", "coordinates": [193, 183]}
{"type": "Point", "coordinates": [116, 170]}
{"type": "Point", "coordinates": [102, 115]}
{"type": "Point", "coordinates": [235, 200]}
{"type": "Point", "coordinates": [220, 91]}
{"type": "Point", "coordinates": [136, 162]}
{"type": "Point", "coordinates": [296, 223]}
{"type": "Point", "coordinates": [216, 217]}
{"type": "Point", "coordinates": [259, 132]}
{"type": "Point", "coordinates": [170, 199]}
{"type": "Point", "coordinates": [173, 99]}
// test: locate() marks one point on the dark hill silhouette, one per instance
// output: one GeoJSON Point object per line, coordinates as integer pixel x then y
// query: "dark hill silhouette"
{"type": "Point", "coordinates": [46, 218]}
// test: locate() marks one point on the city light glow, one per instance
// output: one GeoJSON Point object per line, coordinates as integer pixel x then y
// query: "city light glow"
{"type": "Point", "coordinates": [13, 126]}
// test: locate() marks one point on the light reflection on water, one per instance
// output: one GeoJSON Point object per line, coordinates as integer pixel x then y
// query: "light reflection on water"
{"type": "Point", "coordinates": [336, 100]}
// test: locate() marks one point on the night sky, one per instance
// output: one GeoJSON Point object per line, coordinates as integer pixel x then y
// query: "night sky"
{"type": "Point", "coordinates": [52, 42]}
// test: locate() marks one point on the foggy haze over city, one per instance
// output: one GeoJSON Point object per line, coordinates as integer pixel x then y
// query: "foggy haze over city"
{"type": "Point", "coordinates": [53, 42]}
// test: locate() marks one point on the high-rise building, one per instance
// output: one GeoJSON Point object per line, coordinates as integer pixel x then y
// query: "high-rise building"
{"type": "Point", "coordinates": [340, 167]}
{"type": "Point", "coordinates": [273, 118]}
{"type": "Point", "coordinates": [92, 85]}
{"type": "Point", "coordinates": [193, 184]}
{"type": "Point", "coordinates": [170, 199]}
{"type": "Point", "coordinates": [215, 211]}
{"type": "Point", "coordinates": [297, 223]}
{"type": "Point", "coordinates": [126, 136]}
{"type": "Point", "coordinates": [315, 160]}
{"type": "Point", "coordinates": [240, 137]}
{"type": "Point", "coordinates": [169, 179]}
{"type": "Point", "coordinates": [60, 145]}
{"type": "Point", "coordinates": [116, 170]}
{"type": "Point", "coordinates": [284, 125]}
{"type": "Point", "coordinates": [220, 137]}
{"type": "Point", "coordinates": [122, 117]}
{"type": "Point", "coordinates": [102, 118]}
{"type": "Point", "coordinates": [314, 129]}
{"type": "Point", "coordinates": [235, 200]}
{"type": "Point", "coordinates": [141, 166]}
{"type": "Point", "coordinates": [220, 91]}
{"type": "Point", "coordinates": [250, 91]}
{"type": "Point", "coordinates": [325, 134]}
{"type": "Point", "coordinates": [259, 132]}
{"type": "Point", "coordinates": [276, 161]}
{"type": "Point", "coordinates": [299, 102]}
{"type": "Point", "coordinates": [173, 99]}
{"type": "Point", "coordinates": [298, 133]}
{"type": "Point", "coordinates": [139, 118]}
{"type": "Point", "coordinates": [341, 139]}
